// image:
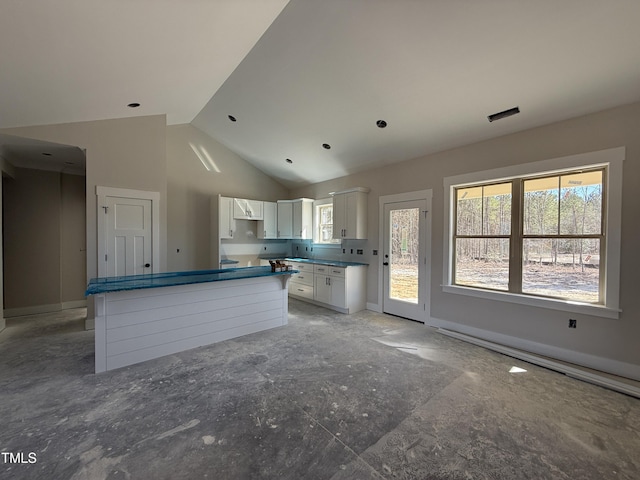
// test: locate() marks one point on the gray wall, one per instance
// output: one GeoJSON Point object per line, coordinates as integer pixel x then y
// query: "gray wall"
{"type": "Point", "coordinates": [44, 237]}
{"type": "Point", "coordinates": [610, 345]}
{"type": "Point", "coordinates": [190, 187]}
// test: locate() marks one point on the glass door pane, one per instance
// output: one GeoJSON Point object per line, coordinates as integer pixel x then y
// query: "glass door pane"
{"type": "Point", "coordinates": [404, 254]}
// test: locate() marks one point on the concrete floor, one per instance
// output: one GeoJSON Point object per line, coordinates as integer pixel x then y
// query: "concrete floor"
{"type": "Point", "coordinates": [329, 396]}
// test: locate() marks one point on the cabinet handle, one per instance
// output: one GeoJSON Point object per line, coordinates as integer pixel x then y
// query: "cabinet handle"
{"type": "Point", "coordinates": [300, 290]}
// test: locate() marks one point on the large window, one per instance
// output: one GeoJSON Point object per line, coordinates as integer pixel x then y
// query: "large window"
{"type": "Point", "coordinates": [543, 235]}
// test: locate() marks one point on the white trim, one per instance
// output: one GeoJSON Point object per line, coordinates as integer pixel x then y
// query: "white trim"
{"type": "Point", "coordinates": [550, 303]}
{"type": "Point", "coordinates": [351, 190]}
{"type": "Point", "coordinates": [612, 158]}
{"type": "Point", "coordinates": [102, 193]}
{"type": "Point", "coordinates": [47, 308]}
{"type": "Point", "coordinates": [374, 307]}
{"type": "Point", "coordinates": [335, 243]}
{"type": "Point", "coordinates": [405, 197]}
{"type": "Point", "coordinates": [621, 369]}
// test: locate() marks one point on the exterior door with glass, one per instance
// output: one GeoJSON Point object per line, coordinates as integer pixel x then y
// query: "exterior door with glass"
{"type": "Point", "coordinates": [404, 262]}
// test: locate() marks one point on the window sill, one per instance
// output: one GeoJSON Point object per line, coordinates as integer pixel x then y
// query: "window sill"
{"type": "Point", "coordinates": [550, 303]}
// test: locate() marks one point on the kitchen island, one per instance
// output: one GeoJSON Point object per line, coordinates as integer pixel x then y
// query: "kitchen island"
{"type": "Point", "coordinates": [141, 317]}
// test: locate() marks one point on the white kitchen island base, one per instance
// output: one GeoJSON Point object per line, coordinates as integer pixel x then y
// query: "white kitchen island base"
{"type": "Point", "coordinates": [136, 325]}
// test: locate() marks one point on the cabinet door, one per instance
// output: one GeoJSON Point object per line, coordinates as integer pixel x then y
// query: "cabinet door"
{"type": "Point", "coordinates": [350, 215]}
{"type": "Point", "coordinates": [338, 292]}
{"type": "Point", "coordinates": [285, 220]}
{"type": "Point", "coordinates": [322, 289]}
{"type": "Point", "coordinates": [227, 224]}
{"type": "Point", "coordinates": [255, 209]}
{"type": "Point", "coordinates": [302, 219]}
{"type": "Point", "coordinates": [268, 226]}
{"type": "Point", "coordinates": [339, 215]}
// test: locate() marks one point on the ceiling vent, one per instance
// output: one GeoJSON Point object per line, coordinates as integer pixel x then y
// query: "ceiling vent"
{"type": "Point", "coordinates": [505, 114]}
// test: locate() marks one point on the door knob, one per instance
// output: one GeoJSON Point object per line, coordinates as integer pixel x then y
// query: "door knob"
{"type": "Point", "coordinates": [147, 265]}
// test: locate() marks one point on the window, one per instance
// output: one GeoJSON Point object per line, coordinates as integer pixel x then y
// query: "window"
{"type": "Point", "coordinates": [323, 222]}
{"type": "Point", "coordinates": [555, 253]}
{"type": "Point", "coordinates": [544, 234]}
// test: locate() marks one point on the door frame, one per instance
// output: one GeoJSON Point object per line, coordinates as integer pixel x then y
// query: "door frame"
{"type": "Point", "coordinates": [102, 193]}
{"type": "Point", "coordinates": [425, 250]}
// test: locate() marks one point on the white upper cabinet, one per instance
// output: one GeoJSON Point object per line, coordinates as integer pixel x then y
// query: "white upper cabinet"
{"type": "Point", "coordinates": [295, 218]}
{"type": "Point", "coordinates": [226, 222]}
{"type": "Point", "coordinates": [247, 209]}
{"type": "Point", "coordinates": [268, 226]}
{"type": "Point", "coordinates": [350, 214]}
{"type": "Point", "coordinates": [285, 219]}
{"type": "Point", "coordinates": [303, 218]}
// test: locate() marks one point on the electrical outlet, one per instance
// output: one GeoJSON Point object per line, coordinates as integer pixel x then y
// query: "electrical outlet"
{"type": "Point", "coordinates": [352, 250]}
{"type": "Point", "coordinates": [573, 323]}
{"type": "Point", "coordinates": [359, 251]}
{"type": "Point", "coordinates": [344, 251]}
{"type": "Point", "coordinates": [375, 252]}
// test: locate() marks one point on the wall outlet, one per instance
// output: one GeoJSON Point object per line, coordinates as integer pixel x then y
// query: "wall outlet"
{"type": "Point", "coordinates": [573, 323]}
{"type": "Point", "coordinates": [344, 250]}
{"type": "Point", "coordinates": [375, 252]}
{"type": "Point", "coordinates": [359, 251]}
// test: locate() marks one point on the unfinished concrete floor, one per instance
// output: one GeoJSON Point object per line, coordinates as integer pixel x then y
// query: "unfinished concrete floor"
{"type": "Point", "coordinates": [329, 396]}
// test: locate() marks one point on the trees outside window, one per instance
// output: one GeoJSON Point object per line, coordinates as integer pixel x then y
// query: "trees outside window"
{"type": "Point", "coordinates": [539, 235]}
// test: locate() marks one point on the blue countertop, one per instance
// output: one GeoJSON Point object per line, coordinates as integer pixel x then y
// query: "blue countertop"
{"type": "Point", "coordinates": [331, 263]}
{"type": "Point", "coordinates": [168, 279]}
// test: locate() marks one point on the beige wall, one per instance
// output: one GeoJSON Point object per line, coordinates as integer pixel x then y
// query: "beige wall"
{"type": "Point", "coordinates": [610, 345]}
{"type": "Point", "coordinates": [190, 187]}
{"type": "Point", "coordinates": [32, 239]}
{"type": "Point", "coordinates": [44, 237]}
{"type": "Point", "coordinates": [73, 238]}
{"type": "Point", "coordinates": [123, 153]}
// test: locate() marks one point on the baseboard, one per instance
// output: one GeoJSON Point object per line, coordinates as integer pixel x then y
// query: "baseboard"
{"type": "Point", "coordinates": [74, 304]}
{"type": "Point", "coordinates": [600, 370]}
{"type": "Point", "coordinates": [374, 307]}
{"type": "Point", "coordinates": [36, 309]}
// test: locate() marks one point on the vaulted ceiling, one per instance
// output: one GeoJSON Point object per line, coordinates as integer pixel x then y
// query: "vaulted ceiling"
{"type": "Point", "coordinates": [296, 75]}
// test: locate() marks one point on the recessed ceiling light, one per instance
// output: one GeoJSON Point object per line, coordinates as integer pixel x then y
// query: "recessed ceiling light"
{"type": "Point", "coordinates": [381, 123]}
{"type": "Point", "coordinates": [47, 154]}
{"type": "Point", "coordinates": [288, 160]}
{"type": "Point", "coordinates": [133, 105]}
{"type": "Point", "coordinates": [232, 118]}
{"type": "Point", "coordinates": [505, 114]}
{"type": "Point", "coordinates": [326, 145]}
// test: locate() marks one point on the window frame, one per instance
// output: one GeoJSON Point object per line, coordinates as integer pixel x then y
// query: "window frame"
{"type": "Point", "coordinates": [611, 160]}
{"type": "Point", "coordinates": [316, 224]}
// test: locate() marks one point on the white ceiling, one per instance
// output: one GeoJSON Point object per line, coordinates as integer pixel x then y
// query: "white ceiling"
{"type": "Point", "coordinates": [323, 72]}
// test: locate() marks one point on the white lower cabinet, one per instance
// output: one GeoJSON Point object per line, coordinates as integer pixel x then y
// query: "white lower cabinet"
{"type": "Point", "coordinates": [339, 288]}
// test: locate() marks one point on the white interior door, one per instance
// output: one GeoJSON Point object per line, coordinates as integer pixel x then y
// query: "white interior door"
{"type": "Point", "coordinates": [405, 262]}
{"type": "Point", "coordinates": [128, 236]}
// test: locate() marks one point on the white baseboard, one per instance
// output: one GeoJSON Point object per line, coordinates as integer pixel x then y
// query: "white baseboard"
{"type": "Point", "coordinates": [549, 357]}
{"type": "Point", "coordinates": [374, 307]}
{"type": "Point", "coordinates": [36, 309]}
{"type": "Point", "coordinates": [90, 324]}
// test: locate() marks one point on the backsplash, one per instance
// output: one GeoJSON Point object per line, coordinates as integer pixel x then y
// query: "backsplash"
{"type": "Point", "coordinates": [347, 251]}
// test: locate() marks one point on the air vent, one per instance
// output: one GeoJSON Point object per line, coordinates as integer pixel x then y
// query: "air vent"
{"type": "Point", "coordinates": [505, 114]}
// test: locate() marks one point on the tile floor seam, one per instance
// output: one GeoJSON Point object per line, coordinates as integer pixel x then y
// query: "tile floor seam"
{"type": "Point", "coordinates": [317, 422]}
